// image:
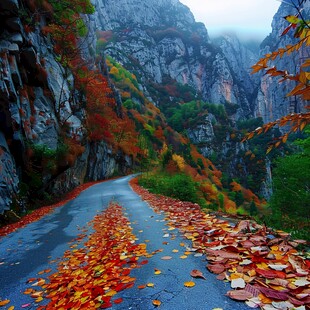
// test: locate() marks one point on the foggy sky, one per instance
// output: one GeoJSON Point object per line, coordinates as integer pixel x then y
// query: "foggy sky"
{"type": "Point", "coordinates": [249, 19]}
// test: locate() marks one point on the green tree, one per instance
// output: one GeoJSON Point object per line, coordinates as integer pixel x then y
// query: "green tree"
{"type": "Point", "coordinates": [291, 183]}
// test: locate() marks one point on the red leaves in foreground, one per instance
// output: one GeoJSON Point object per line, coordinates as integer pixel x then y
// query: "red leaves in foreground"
{"type": "Point", "coordinates": [37, 214]}
{"type": "Point", "coordinates": [92, 273]}
{"type": "Point", "coordinates": [264, 271]}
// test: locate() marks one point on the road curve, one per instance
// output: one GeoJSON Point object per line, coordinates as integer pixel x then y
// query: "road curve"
{"type": "Point", "coordinates": [30, 250]}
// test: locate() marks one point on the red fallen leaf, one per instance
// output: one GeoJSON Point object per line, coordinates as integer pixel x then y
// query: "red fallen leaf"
{"type": "Point", "coordinates": [126, 272]}
{"type": "Point", "coordinates": [273, 294]}
{"type": "Point", "coordinates": [106, 305]}
{"type": "Point", "coordinates": [118, 301]}
{"type": "Point", "coordinates": [144, 262]}
{"type": "Point", "coordinates": [231, 248]}
{"type": "Point", "coordinates": [258, 259]}
{"type": "Point", "coordinates": [241, 295]}
{"type": "Point", "coordinates": [217, 268]}
{"type": "Point", "coordinates": [97, 291]}
{"type": "Point", "coordinates": [197, 274]}
{"type": "Point", "coordinates": [271, 274]}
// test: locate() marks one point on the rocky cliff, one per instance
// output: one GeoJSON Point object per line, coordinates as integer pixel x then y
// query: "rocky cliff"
{"type": "Point", "coordinates": [160, 39]}
{"type": "Point", "coordinates": [37, 102]}
{"type": "Point", "coordinates": [271, 102]}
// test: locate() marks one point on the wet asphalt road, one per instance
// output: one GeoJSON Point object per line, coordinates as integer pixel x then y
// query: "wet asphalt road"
{"type": "Point", "coordinates": [29, 250]}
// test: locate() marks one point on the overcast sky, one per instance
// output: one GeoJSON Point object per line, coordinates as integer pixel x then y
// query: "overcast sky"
{"type": "Point", "coordinates": [249, 19]}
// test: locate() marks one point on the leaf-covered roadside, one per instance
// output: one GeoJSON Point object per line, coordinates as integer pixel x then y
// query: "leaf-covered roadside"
{"type": "Point", "coordinates": [93, 271]}
{"type": "Point", "coordinates": [265, 271]}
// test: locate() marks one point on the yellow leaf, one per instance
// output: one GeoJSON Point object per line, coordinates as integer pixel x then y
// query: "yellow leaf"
{"type": "Point", "coordinates": [157, 271]}
{"type": "Point", "coordinates": [39, 299]}
{"type": "Point", "coordinates": [150, 284]}
{"type": "Point", "coordinates": [189, 284]}
{"type": "Point", "coordinates": [11, 308]}
{"type": "Point", "coordinates": [183, 256]}
{"type": "Point", "coordinates": [175, 251]}
{"type": "Point", "coordinates": [110, 293]}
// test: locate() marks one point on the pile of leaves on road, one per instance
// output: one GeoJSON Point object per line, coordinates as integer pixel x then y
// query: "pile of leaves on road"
{"type": "Point", "coordinates": [264, 269]}
{"type": "Point", "coordinates": [92, 272]}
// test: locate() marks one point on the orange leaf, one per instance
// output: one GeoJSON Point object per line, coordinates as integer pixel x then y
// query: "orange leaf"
{"type": "Point", "coordinates": [4, 302]}
{"type": "Point", "coordinates": [141, 287]}
{"type": "Point", "coordinates": [156, 302]}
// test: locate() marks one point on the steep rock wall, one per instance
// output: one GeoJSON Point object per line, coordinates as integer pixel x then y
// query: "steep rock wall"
{"type": "Point", "coordinates": [36, 101]}
{"type": "Point", "coordinates": [272, 102]}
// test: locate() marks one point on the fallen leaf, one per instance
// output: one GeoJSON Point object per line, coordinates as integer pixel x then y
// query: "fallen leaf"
{"type": "Point", "coordinates": [301, 282]}
{"type": "Point", "coordinates": [241, 295]}
{"type": "Point", "coordinates": [4, 302]}
{"type": "Point", "coordinates": [166, 257]}
{"type": "Point", "coordinates": [217, 268]}
{"type": "Point", "coordinates": [141, 287]}
{"type": "Point", "coordinates": [157, 272]}
{"type": "Point", "coordinates": [156, 302]}
{"type": "Point", "coordinates": [118, 301]}
{"type": "Point", "coordinates": [197, 274]}
{"type": "Point", "coordinates": [189, 284]}
{"type": "Point", "coordinates": [183, 256]}
{"type": "Point", "coordinates": [277, 267]}
{"type": "Point", "coordinates": [175, 251]}
{"type": "Point", "coordinates": [150, 284]}
{"type": "Point", "coordinates": [238, 283]}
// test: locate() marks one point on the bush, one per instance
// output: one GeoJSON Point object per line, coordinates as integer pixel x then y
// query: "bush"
{"type": "Point", "coordinates": [179, 186]}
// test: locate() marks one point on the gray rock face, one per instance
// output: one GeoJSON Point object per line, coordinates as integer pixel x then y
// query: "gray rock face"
{"type": "Point", "coordinates": [158, 39]}
{"type": "Point", "coordinates": [202, 133]}
{"type": "Point", "coordinates": [151, 13]}
{"type": "Point", "coordinates": [271, 102]}
{"type": "Point", "coordinates": [8, 175]}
